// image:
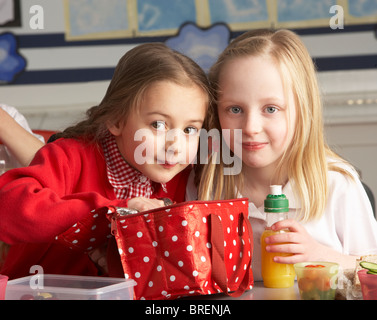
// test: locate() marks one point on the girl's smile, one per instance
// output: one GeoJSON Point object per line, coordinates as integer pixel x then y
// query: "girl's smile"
{"type": "Point", "coordinates": [168, 165]}
{"type": "Point", "coordinates": [253, 146]}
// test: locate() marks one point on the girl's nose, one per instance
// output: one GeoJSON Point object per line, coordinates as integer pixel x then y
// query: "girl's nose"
{"type": "Point", "coordinates": [174, 141]}
{"type": "Point", "coordinates": [252, 124]}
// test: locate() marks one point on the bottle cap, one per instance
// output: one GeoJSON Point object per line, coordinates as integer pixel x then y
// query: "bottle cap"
{"type": "Point", "coordinates": [276, 190]}
{"type": "Point", "coordinates": [276, 201]}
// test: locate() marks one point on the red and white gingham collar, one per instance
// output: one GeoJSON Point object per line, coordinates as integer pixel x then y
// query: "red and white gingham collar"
{"type": "Point", "coordinates": [126, 181]}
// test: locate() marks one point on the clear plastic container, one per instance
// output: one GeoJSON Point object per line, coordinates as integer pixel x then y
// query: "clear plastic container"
{"type": "Point", "coordinates": [63, 287]}
{"type": "Point", "coordinates": [7, 161]}
{"type": "Point", "coordinates": [317, 280]}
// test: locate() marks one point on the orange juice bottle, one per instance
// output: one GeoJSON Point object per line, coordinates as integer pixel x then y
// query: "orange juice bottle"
{"type": "Point", "coordinates": [275, 275]}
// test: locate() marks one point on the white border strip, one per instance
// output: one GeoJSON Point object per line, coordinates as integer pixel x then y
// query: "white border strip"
{"type": "Point", "coordinates": [326, 45]}
{"type": "Point", "coordinates": [74, 57]}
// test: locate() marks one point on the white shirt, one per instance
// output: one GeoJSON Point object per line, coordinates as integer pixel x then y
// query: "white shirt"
{"type": "Point", "coordinates": [21, 120]}
{"type": "Point", "coordinates": [347, 225]}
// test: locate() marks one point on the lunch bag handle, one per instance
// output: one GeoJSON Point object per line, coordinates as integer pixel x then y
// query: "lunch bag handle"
{"type": "Point", "coordinates": [218, 263]}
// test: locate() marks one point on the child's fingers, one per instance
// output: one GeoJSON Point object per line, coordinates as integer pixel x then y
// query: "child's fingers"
{"type": "Point", "coordinates": [144, 204]}
{"type": "Point", "coordinates": [289, 259]}
{"type": "Point", "coordinates": [284, 237]}
{"type": "Point", "coordinates": [290, 224]}
{"type": "Point", "coordinates": [288, 248]}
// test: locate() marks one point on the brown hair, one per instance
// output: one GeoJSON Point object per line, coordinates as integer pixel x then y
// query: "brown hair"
{"type": "Point", "coordinates": [135, 72]}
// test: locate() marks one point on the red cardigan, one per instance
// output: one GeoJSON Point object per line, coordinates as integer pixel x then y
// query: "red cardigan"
{"type": "Point", "coordinates": [66, 181]}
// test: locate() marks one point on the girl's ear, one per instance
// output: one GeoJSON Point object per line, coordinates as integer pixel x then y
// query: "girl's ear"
{"type": "Point", "coordinates": [115, 128]}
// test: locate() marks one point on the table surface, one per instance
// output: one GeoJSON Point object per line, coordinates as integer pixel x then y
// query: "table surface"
{"type": "Point", "coordinates": [259, 292]}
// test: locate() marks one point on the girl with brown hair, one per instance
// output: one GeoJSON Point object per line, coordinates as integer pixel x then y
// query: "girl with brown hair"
{"type": "Point", "coordinates": [118, 156]}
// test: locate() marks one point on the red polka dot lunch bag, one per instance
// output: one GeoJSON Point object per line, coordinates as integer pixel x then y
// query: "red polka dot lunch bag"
{"type": "Point", "coordinates": [192, 248]}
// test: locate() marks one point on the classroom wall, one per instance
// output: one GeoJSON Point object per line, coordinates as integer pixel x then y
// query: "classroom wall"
{"type": "Point", "coordinates": [348, 79]}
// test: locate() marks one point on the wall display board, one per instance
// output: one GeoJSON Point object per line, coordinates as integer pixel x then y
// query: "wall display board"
{"type": "Point", "coordinates": [97, 19]}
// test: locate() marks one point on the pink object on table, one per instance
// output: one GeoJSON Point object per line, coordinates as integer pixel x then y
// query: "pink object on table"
{"type": "Point", "coordinates": [368, 285]}
{"type": "Point", "coordinates": [3, 285]}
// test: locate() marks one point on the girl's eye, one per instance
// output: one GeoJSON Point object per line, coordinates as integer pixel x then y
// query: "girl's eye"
{"type": "Point", "coordinates": [159, 125]}
{"type": "Point", "coordinates": [235, 110]}
{"type": "Point", "coordinates": [190, 130]}
{"type": "Point", "coordinates": [271, 109]}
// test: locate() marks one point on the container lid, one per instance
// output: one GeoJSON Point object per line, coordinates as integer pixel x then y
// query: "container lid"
{"type": "Point", "coordinates": [276, 201]}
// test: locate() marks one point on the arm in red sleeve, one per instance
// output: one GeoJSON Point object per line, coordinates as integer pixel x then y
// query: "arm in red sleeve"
{"type": "Point", "coordinates": [91, 232]}
{"type": "Point", "coordinates": [66, 180]}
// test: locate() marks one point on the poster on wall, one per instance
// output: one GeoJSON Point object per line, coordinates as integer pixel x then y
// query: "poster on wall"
{"type": "Point", "coordinates": [10, 15]}
{"type": "Point", "coordinates": [98, 19]}
{"type": "Point", "coordinates": [359, 12]}
{"type": "Point", "coordinates": [298, 14]}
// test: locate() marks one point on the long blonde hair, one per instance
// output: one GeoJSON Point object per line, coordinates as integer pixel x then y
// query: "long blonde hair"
{"type": "Point", "coordinates": [306, 159]}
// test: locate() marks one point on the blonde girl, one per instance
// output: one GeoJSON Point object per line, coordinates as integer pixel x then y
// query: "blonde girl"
{"type": "Point", "coordinates": [104, 160]}
{"type": "Point", "coordinates": [266, 85]}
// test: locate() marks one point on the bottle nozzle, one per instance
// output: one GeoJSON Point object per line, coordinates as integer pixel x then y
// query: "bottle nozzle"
{"type": "Point", "coordinates": [276, 190]}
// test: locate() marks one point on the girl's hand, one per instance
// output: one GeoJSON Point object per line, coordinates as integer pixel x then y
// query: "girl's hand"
{"type": "Point", "coordinates": [297, 243]}
{"type": "Point", "coordinates": [144, 204]}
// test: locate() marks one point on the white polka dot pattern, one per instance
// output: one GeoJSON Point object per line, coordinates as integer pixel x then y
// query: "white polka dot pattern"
{"type": "Point", "coordinates": [168, 252]}
{"type": "Point", "coordinates": [90, 232]}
